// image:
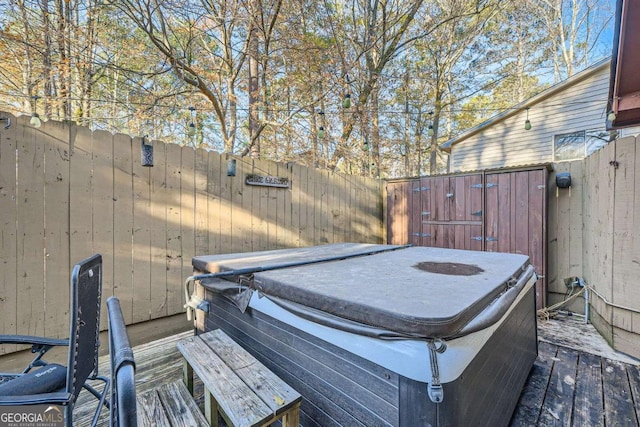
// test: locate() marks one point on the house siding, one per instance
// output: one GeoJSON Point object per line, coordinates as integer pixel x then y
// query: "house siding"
{"type": "Point", "coordinates": [579, 106]}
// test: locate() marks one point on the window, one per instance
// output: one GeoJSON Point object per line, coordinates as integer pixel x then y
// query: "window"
{"type": "Point", "coordinates": [569, 146]}
{"type": "Point", "coordinates": [577, 145]}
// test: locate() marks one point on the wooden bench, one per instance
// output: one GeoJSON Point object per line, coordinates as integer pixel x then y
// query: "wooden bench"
{"type": "Point", "coordinates": [169, 405]}
{"type": "Point", "coordinates": [237, 385]}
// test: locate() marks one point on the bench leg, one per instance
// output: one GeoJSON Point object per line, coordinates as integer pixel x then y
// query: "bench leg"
{"type": "Point", "coordinates": [292, 417]}
{"type": "Point", "coordinates": [187, 373]}
{"type": "Point", "coordinates": [210, 409]}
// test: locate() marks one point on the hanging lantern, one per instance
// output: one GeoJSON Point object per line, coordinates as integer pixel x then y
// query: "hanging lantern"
{"type": "Point", "coordinates": [346, 102]}
{"type": "Point", "coordinates": [527, 123]}
{"type": "Point", "coordinates": [191, 129]}
{"type": "Point", "coordinates": [35, 117]}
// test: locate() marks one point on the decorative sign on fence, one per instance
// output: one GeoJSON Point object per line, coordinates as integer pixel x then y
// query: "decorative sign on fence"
{"type": "Point", "coordinates": [267, 181]}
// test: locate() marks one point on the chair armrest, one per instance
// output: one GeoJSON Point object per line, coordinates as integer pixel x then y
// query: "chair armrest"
{"type": "Point", "coordinates": [32, 340]}
{"type": "Point", "coordinates": [59, 398]}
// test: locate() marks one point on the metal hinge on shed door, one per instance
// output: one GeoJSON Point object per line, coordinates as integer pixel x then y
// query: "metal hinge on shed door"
{"type": "Point", "coordinates": [421, 234]}
{"type": "Point", "coordinates": [477, 213]}
{"type": "Point", "coordinates": [477, 186]}
{"type": "Point", "coordinates": [491, 239]}
{"type": "Point", "coordinates": [491, 184]}
{"type": "Point", "coordinates": [425, 213]}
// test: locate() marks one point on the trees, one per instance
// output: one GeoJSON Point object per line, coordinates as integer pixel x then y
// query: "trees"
{"type": "Point", "coordinates": [264, 76]}
{"type": "Point", "coordinates": [52, 46]}
{"type": "Point", "coordinates": [573, 29]}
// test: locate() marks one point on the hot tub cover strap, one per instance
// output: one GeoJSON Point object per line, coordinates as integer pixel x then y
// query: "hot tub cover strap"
{"type": "Point", "coordinates": [434, 389]}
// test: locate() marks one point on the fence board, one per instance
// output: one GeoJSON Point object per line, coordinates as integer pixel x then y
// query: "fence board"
{"type": "Point", "coordinates": [589, 213]}
{"type": "Point", "coordinates": [141, 237]}
{"type": "Point", "coordinates": [158, 200]}
{"type": "Point", "coordinates": [240, 219]}
{"type": "Point", "coordinates": [8, 239]}
{"type": "Point", "coordinates": [123, 285]}
{"type": "Point", "coordinates": [603, 175]}
{"type": "Point", "coordinates": [30, 243]}
{"type": "Point", "coordinates": [307, 204]}
{"type": "Point", "coordinates": [201, 203]}
{"type": "Point", "coordinates": [174, 237]}
{"type": "Point", "coordinates": [536, 227]}
{"type": "Point", "coordinates": [215, 169]}
{"type": "Point", "coordinates": [273, 210]}
{"type": "Point", "coordinates": [575, 248]}
{"type": "Point", "coordinates": [316, 176]}
{"type": "Point", "coordinates": [258, 205]}
{"type": "Point", "coordinates": [102, 207]}
{"type": "Point", "coordinates": [56, 226]}
{"type": "Point", "coordinates": [298, 211]}
{"type": "Point", "coordinates": [312, 202]}
{"type": "Point", "coordinates": [81, 194]}
{"type": "Point", "coordinates": [626, 271]}
{"type": "Point", "coordinates": [342, 202]}
{"type": "Point", "coordinates": [226, 214]}
{"type": "Point", "coordinates": [187, 206]}
{"type": "Point", "coordinates": [285, 202]}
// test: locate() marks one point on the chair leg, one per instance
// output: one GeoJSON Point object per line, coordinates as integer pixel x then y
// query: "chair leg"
{"type": "Point", "coordinates": [68, 414]}
{"type": "Point", "coordinates": [101, 396]}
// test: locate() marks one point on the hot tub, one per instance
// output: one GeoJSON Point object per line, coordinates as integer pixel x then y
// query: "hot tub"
{"type": "Point", "coordinates": [381, 335]}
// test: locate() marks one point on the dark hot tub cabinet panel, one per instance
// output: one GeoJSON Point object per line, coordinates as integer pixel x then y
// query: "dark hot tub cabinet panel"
{"type": "Point", "coordinates": [380, 335]}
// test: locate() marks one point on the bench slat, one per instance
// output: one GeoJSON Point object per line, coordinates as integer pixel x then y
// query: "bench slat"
{"type": "Point", "coordinates": [180, 407]}
{"type": "Point", "coordinates": [276, 393]}
{"type": "Point", "coordinates": [150, 411]}
{"type": "Point", "coordinates": [236, 400]}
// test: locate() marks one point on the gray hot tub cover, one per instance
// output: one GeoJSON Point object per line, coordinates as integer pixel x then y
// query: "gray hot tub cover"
{"type": "Point", "coordinates": [386, 294]}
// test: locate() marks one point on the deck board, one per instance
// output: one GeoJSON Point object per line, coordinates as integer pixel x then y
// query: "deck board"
{"type": "Point", "coordinates": [558, 401]}
{"type": "Point", "coordinates": [588, 402]}
{"type": "Point", "coordinates": [576, 387]}
{"type": "Point", "coordinates": [618, 402]}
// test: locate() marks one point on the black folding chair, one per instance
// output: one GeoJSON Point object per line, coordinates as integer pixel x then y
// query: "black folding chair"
{"type": "Point", "coordinates": [41, 383]}
{"type": "Point", "coordinates": [123, 369]}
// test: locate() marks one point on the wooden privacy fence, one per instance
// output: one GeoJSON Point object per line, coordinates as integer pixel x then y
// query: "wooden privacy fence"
{"type": "Point", "coordinates": [67, 192]}
{"type": "Point", "coordinates": [594, 233]}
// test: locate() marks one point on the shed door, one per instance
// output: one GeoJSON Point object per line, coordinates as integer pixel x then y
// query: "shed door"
{"type": "Point", "coordinates": [515, 205]}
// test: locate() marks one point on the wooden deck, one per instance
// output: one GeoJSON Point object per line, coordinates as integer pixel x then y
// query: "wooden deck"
{"type": "Point", "coordinates": [572, 388]}
{"type": "Point", "coordinates": [566, 387]}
